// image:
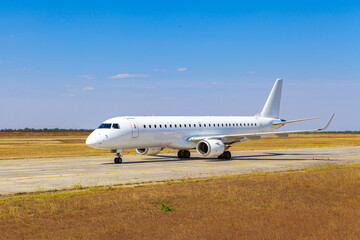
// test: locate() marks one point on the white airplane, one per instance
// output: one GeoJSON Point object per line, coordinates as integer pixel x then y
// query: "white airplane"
{"type": "Point", "coordinates": [210, 136]}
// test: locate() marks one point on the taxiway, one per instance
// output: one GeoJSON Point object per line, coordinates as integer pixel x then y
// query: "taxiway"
{"type": "Point", "coordinates": [29, 175]}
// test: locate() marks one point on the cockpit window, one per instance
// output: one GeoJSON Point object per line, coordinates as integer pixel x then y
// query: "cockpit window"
{"type": "Point", "coordinates": [105, 125]}
{"type": "Point", "coordinates": [116, 126]}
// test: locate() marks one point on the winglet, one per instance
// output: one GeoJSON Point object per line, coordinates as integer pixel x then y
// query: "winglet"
{"type": "Point", "coordinates": [327, 125]}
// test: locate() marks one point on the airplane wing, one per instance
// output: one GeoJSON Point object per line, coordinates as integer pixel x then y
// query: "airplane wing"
{"type": "Point", "coordinates": [252, 136]}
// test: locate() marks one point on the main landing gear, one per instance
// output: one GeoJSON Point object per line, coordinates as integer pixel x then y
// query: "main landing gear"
{"type": "Point", "coordinates": [183, 154]}
{"type": "Point", "coordinates": [226, 155]}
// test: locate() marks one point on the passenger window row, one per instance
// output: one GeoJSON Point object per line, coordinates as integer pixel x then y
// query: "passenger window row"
{"type": "Point", "coordinates": [200, 125]}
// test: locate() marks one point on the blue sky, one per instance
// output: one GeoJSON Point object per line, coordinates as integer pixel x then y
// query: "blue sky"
{"type": "Point", "coordinates": [73, 64]}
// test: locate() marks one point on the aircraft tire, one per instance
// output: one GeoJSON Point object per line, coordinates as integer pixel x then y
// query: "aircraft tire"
{"type": "Point", "coordinates": [186, 154]}
{"type": "Point", "coordinates": [180, 154]}
{"type": "Point", "coordinates": [118, 160]}
{"type": "Point", "coordinates": [227, 155]}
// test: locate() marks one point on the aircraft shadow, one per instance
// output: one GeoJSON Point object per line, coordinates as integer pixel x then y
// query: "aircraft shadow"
{"type": "Point", "coordinates": [261, 157]}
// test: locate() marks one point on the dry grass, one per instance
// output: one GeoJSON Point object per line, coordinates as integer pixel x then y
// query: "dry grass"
{"type": "Point", "coordinates": [15, 145]}
{"type": "Point", "coordinates": [301, 141]}
{"type": "Point", "coordinates": [43, 134]}
{"type": "Point", "coordinates": [313, 204]}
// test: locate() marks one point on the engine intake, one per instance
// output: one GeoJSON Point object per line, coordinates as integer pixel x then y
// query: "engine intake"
{"type": "Point", "coordinates": [149, 151]}
{"type": "Point", "coordinates": [210, 148]}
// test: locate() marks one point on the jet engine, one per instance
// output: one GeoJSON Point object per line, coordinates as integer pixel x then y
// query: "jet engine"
{"type": "Point", "coordinates": [210, 148]}
{"type": "Point", "coordinates": [149, 151]}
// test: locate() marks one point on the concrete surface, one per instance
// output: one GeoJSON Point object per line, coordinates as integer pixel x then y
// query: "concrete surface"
{"type": "Point", "coordinates": [29, 175]}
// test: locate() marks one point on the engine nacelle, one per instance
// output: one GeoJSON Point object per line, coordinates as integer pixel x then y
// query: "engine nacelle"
{"type": "Point", "coordinates": [149, 151]}
{"type": "Point", "coordinates": [210, 148]}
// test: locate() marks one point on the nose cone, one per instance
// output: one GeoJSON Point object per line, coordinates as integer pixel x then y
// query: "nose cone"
{"type": "Point", "coordinates": [93, 140]}
{"type": "Point", "coordinates": [90, 141]}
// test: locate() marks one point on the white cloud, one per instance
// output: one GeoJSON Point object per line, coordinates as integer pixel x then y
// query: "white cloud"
{"type": "Point", "coordinates": [88, 88]}
{"type": "Point", "coordinates": [251, 72]}
{"type": "Point", "coordinates": [151, 88]}
{"type": "Point", "coordinates": [126, 75]}
{"type": "Point", "coordinates": [214, 83]}
{"type": "Point", "coordinates": [159, 70]}
{"type": "Point", "coordinates": [87, 76]}
{"type": "Point", "coordinates": [181, 69]}
{"type": "Point", "coordinates": [22, 70]}
{"type": "Point", "coordinates": [68, 95]}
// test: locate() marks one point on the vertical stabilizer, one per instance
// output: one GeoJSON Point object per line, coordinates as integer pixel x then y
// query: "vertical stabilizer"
{"type": "Point", "coordinates": [272, 106]}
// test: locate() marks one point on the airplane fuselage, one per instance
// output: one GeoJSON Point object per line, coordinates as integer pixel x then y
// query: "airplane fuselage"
{"type": "Point", "coordinates": [171, 132]}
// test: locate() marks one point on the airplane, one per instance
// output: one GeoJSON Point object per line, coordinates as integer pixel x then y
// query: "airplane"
{"type": "Point", "coordinates": [211, 136]}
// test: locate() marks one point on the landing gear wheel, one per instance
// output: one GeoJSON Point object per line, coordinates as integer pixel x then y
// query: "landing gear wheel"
{"type": "Point", "coordinates": [227, 155]}
{"type": "Point", "coordinates": [118, 160]}
{"type": "Point", "coordinates": [181, 154]}
{"type": "Point", "coordinates": [221, 156]}
{"type": "Point", "coordinates": [186, 154]}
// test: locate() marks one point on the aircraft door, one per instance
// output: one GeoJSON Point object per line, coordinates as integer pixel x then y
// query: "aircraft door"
{"type": "Point", "coordinates": [259, 123]}
{"type": "Point", "coordinates": [134, 127]}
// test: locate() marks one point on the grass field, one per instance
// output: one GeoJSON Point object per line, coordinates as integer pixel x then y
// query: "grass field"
{"type": "Point", "coordinates": [319, 203]}
{"type": "Point", "coordinates": [17, 144]}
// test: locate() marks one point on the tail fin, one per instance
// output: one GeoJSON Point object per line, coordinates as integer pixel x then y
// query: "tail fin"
{"type": "Point", "coordinates": [272, 106]}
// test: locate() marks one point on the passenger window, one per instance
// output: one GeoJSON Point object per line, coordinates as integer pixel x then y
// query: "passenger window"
{"type": "Point", "coordinates": [194, 125]}
{"type": "Point", "coordinates": [170, 126]}
{"type": "Point", "coordinates": [185, 125]}
{"type": "Point", "coordinates": [180, 125]}
{"type": "Point", "coordinates": [160, 126]}
{"type": "Point", "coordinates": [144, 126]}
{"type": "Point", "coordinates": [222, 124]}
{"type": "Point", "coordinates": [199, 125]}
{"type": "Point", "coordinates": [154, 126]}
{"type": "Point", "coordinates": [237, 125]}
{"type": "Point", "coordinates": [209, 125]}
{"type": "Point", "coordinates": [116, 126]}
{"type": "Point", "coordinates": [149, 126]}
{"type": "Point", "coordinates": [218, 125]}
{"type": "Point", "coordinates": [255, 124]}
{"type": "Point", "coordinates": [175, 125]}
{"type": "Point", "coordinates": [225, 124]}
{"type": "Point", "coordinates": [165, 126]}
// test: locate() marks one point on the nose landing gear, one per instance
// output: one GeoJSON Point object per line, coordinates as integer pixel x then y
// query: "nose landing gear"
{"type": "Point", "coordinates": [118, 158]}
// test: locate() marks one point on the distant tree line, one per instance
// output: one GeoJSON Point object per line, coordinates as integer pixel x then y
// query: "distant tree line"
{"type": "Point", "coordinates": [45, 130]}
{"type": "Point", "coordinates": [89, 130]}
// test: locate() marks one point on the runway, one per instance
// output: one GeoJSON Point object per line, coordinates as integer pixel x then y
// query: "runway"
{"type": "Point", "coordinates": [29, 175]}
